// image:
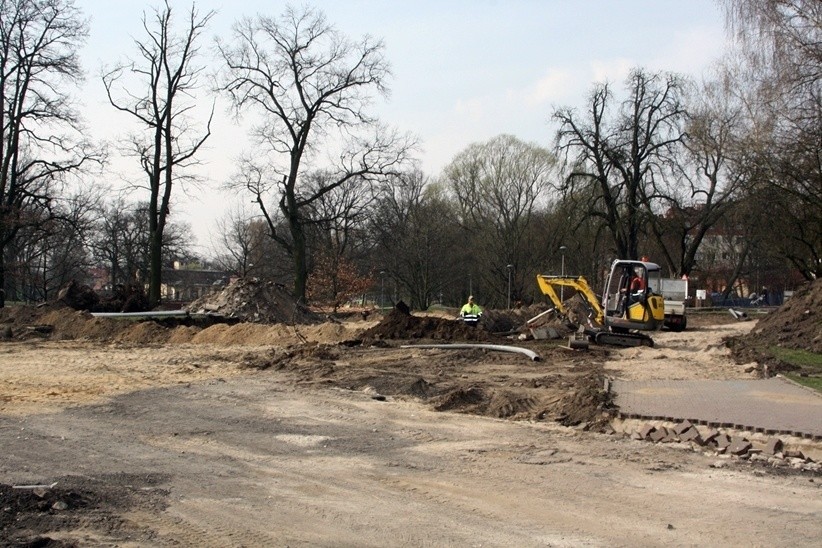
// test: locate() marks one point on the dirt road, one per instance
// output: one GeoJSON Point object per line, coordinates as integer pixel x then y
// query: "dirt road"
{"type": "Point", "coordinates": [225, 445]}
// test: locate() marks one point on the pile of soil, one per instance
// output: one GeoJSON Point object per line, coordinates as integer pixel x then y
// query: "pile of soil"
{"type": "Point", "coordinates": [53, 320]}
{"type": "Point", "coordinates": [74, 502]}
{"type": "Point", "coordinates": [124, 298]}
{"type": "Point", "coordinates": [255, 301]}
{"type": "Point", "coordinates": [400, 324]}
{"type": "Point", "coordinates": [57, 321]}
{"type": "Point", "coordinates": [796, 325]}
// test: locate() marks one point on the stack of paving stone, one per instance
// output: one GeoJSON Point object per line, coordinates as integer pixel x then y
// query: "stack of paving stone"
{"type": "Point", "coordinates": [771, 452]}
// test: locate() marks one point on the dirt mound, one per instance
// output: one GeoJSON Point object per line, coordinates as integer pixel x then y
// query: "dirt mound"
{"type": "Point", "coordinates": [796, 325]}
{"type": "Point", "coordinates": [580, 402]}
{"type": "Point", "coordinates": [506, 321]}
{"type": "Point", "coordinates": [78, 297]}
{"type": "Point", "coordinates": [124, 298]}
{"type": "Point", "coordinates": [26, 314]}
{"type": "Point", "coordinates": [252, 300]}
{"type": "Point", "coordinates": [399, 325]}
{"type": "Point", "coordinates": [74, 502]}
{"type": "Point", "coordinates": [57, 321]}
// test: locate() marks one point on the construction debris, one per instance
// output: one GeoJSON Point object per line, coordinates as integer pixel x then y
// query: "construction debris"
{"type": "Point", "coordinates": [771, 451]}
{"type": "Point", "coordinates": [739, 315]}
{"type": "Point", "coordinates": [254, 301]}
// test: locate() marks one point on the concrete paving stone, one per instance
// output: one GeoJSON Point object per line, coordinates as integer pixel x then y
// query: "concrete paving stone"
{"type": "Point", "coordinates": [739, 446]}
{"type": "Point", "coordinates": [774, 405]}
{"type": "Point", "coordinates": [773, 446]}
{"type": "Point", "coordinates": [658, 434]}
{"type": "Point", "coordinates": [691, 434]}
{"type": "Point", "coordinates": [683, 426]}
{"type": "Point", "coordinates": [710, 436]}
{"type": "Point", "coordinates": [722, 441]}
{"type": "Point", "coordinates": [794, 454]}
{"type": "Point", "coordinates": [646, 431]}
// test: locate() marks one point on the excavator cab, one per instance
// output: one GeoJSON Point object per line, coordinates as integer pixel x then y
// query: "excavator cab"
{"type": "Point", "coordinates": [629, 301]}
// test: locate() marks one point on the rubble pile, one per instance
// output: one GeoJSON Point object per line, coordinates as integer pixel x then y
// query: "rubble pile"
{"type": "Point", "coordinates": [771, 451]}
{"type": "Point", "coordinates": [540, 320]}
{"type": "Point", "coordinates": [254, 301]}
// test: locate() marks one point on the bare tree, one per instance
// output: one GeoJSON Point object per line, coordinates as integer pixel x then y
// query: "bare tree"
{"type": "Point", "coordinates": [337, 235]}
{"type": "Point", "coordinates": [418, 243]}
{"type": "Point", "coordinates": [337, 216]}
{"type": "Point", "coordinates": [780, 42]}
{"type": "Point", "coordinates": [311, 87]}
{"type": "Point", "coordinates": [168, 144]}
{"type": "Point", "coordinates": [499, 186]}
{"type": "Point", "coordinates": [705, 183]}
{"type": "Point", "coordinates": [779, 38]}
{"type": "Point", "coordinates": [567, 223]}
{"type": "Point", "coordinates": [240, 244]}
{"type": "Point", "coordinates": [619, 158]}
{"type": "Point", "coordinates": [42, 141]}
{"type": "Point", "coordinates": [48, 255]}
{"type": "Point", "coordinates": [120, 241]}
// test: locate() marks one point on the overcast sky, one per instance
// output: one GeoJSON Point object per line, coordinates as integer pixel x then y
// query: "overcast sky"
{"type": "Point", "coordinates": [463, 71]}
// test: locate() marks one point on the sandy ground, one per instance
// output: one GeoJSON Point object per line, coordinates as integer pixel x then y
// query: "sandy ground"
{"type": "Point", "coordinates": [293, 441]}
{"type": "Point", "coordinates": [698, 353]}
{"type": "Point", "coordinates": [47, 375]}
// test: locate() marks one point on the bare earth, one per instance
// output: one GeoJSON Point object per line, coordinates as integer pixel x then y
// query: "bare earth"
{"type": "Point", "coordinates": [252, 435]}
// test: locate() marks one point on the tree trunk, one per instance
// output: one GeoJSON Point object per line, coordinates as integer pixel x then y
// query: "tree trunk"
{"type": "Point", "coordinates": [2, 277]}
{"type": "Point", "coordinates": [155, 266]}
{"type": "Point", "coordinates": [300, 259]}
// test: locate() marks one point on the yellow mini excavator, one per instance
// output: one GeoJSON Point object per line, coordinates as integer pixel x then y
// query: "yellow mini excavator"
{"type": "Point", "coordinates": [628, 304]}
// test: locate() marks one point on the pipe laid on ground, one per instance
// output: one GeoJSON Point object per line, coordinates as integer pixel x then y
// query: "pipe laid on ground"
{"type": "Point", "coordinates": [154, 314]}
{"type": "Point", "coordinates": [501, 348]}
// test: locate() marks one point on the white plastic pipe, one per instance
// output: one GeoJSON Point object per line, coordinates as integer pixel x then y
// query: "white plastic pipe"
{"type": "Point", "coordinates": [154, 314]}
{"type": "Point", "coordinates": [501, 348]}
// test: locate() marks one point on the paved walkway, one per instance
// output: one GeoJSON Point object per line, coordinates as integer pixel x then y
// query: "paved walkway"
{"type": "Point", "coordinates": [774, 406]}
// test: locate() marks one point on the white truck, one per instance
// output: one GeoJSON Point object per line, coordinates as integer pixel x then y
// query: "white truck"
{"type": "Point", "coordinates": [674, 291]}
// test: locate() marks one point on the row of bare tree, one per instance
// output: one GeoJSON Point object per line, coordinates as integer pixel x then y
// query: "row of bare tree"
{"type": "Point", "coordinates": [720, 181]}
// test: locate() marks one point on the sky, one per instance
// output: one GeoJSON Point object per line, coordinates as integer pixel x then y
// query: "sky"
{"type": "Point", "coordinates": [463, 71]}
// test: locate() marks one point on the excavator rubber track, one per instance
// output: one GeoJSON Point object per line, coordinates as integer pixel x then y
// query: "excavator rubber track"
{"type": "Point", "coordinates": [623, 339]}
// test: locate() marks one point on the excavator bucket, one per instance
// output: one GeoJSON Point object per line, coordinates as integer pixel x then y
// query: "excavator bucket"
{"type": "Point", "coordinates": [578, 341]}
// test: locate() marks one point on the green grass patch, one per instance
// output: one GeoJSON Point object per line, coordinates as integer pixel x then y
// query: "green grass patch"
{"type": "Point", "coordinates": [799, 358]}
{"type": "Point", "coordinates": [809, 362]}
{"type": "Point", "coordinates": [810, 382]}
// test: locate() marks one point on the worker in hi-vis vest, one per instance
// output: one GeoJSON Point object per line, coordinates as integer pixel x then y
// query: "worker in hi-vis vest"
{"type": "Point", "coordinates": [471, 312]}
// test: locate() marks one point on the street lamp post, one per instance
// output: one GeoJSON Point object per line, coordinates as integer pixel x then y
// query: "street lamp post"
{"type": "Point", "coordinates": [510, 268]}
{"type": "Point", "coordinates": [562, 249]}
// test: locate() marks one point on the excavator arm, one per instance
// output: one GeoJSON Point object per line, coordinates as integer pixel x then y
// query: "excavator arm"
{"type": "Point", "coordinates": [547, 286]}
